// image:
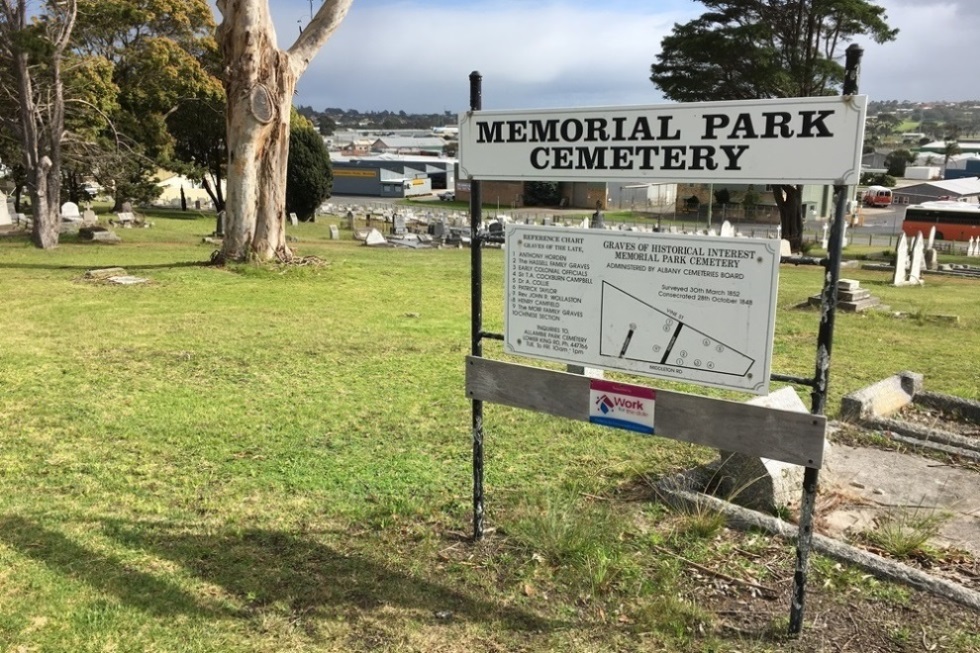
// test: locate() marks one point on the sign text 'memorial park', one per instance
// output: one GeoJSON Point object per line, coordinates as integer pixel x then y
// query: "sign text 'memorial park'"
{"type": "Point", "coordinates": [800, 140]}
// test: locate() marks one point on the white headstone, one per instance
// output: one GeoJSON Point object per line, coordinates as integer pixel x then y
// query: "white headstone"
{"type": "Point", "coordinates": [823, 237]}
{"type": "Point", "coordinates": [4, 212]}
{"type": "Point", "coordinates": [915, 269]}
{"type": "Point", "coordinates": [727, 230]}
{"type": "Point", "coordinates": [334, 232]}
{"type": "Point", "coordinates": [711, 232]}
{"type": "Point", "coordinates": [69, 211]}
{"type": "Point", "coordinates": [971, 248]}
{"type": "Point", "coordinates": [374, 237]}
{"type": "Point", "coordinates": [843, 235]}
{"type": "Point", "coordinates": [784, 248]}
{"type": "Point", "coordinates": [900, 277]}
{"type": "Point", "coordinates": [932, 237]}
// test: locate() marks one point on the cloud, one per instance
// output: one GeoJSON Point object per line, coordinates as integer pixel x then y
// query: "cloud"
{"type": "Point", "coordinates": [416, 55]}
{"type": "Point", "coordinates": [405, 55]}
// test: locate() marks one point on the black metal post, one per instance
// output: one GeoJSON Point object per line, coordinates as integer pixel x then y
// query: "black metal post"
{"type": "Point", "coordinates": [825, 342]}
{"type": "Point", "coordinates": [476, 301]}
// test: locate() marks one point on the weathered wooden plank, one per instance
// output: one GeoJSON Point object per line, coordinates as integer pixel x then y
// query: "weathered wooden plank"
{"type": "Point", "coordinates": [788, 436]}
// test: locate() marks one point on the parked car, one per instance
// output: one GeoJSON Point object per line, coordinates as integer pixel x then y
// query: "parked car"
{"type": "Point", "coordinates": [448, 196]}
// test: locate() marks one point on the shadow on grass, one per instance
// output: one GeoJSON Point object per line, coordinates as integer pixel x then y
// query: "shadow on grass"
{"type": "Point", "coordinates": [127, 266]}
{"type": "Point", "coordinates": [102, 571]}
{"type": "Point", "coordinates": [261, 569]}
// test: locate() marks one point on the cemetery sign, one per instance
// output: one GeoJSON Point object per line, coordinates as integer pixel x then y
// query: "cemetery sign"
{"type": "Point", "coordinates": [683, 308]}
{"type": "Point", "coordinates": [800, 140]}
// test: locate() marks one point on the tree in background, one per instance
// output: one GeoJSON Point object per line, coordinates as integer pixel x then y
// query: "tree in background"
{"type": "Point", "coordinates": [33, 46]}
{"type": "Point", "coordinates": [950, 149]}
{"type": "Point", "coordinates": [749, 49]}
{"type": "Point", "coordinates": [260, 80]}
{"type": "Point", "coordinates": [158, 52]}
{"type": "Point", "coordinates": [541, 193]}
{"type": "Point", "coordinates": [897, 161]}
{"type": "Point", "coordinates": [309, 178]}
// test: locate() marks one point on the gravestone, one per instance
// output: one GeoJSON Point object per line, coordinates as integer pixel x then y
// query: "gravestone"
{"type": "Point", "coordinates": [127, 207]}
{"type": "Point", "coordinates": [727, 230]}
{"type": "Point", "coordinates": [69, 212]}
{"type": "Point", "coordinates": [398, 225]}
{"type": "Point", "coordinates": [971, 248]}
{"type": "Point", "coordinates": [915, 268]}
{"type": "Point", "coordinates": [900, 277]}
{"type": "Point", "coordinates": [932, 259]}
{"type": "Point", "coordinates": [350, 220]}
{"type": "Point", "coordinates": [784, 248]}
{"type": "Point", "coordinates": [711, 232]}
{"type": "Point", "coordinates": [4, 211]}
{"type": "Point", "coordinates": [548, 221]}
{"type": "Point", "coordinates": [334, 232]}
{"type": "Point", "coordinates": [438, 230]}
{"type": "Point", "coordinates": [823, 237]}
{"type": "Point", "coordinates": [374, 238]}
{"type": "Point", "coordinates": [89, 218]}
{"type": "Point", "coordinates": [761, 483]}
{"type": "Point", "coordinates": [932, 237]}
{"type": "Point", "coordinates": [293, 220]}
{"type": "Point", "coordinates": [843, 237]}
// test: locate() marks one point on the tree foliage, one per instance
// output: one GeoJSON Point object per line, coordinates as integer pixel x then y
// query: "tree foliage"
{"type": "Point", "coordinates": [748, 49]}
{"type": "Point", "coordinates": [309, 178]}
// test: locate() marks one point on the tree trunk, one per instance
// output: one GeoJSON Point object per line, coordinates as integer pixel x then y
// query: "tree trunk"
{"type": "Point", "coordinates": [260, 88]}
{"type": "Point", "coordinates": [789, 200]}
{"type": "Point", "coordinates": [41, 120]}
{"type": "Point", "coordinates": [259, 82]}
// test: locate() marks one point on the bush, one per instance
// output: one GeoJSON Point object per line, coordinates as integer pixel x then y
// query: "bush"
{"type": "Point", "coordinates": [309, 178]}
{"type": "Point", "coordinates": [877, 179]}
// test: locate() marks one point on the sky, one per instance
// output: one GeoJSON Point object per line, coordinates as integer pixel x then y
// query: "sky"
{"type": "Point", "coordinates": [416, 55]}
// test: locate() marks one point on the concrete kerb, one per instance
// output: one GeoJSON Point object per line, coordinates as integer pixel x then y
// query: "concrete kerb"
{"type": "Point", "coordinates": [871, 407]}
{"type": "Point", "coordinates": [880, 567]}
{"type": "Point", "coordinates": [882, 398]}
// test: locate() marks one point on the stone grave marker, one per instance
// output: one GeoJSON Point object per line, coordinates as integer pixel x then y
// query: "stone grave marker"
{"type": "Point", "coordinates": [69, 212]}
{"type": "Point", "coordinates": [727, 230]}
{"type": "Point", "coordinates": [334, 232]}
{"type": "Point", "coordinates": [350, 219]}
{"type": "Point", "coordinates": [711, 232]}
{"type": "Point", "coordinates": [784, 248]}
{"type": "Point", "coordinates": [374, 238]}
{"type": "Point", "coordinates": [915, 268]}
{"type": "Point", "coordinates": [293, 220]}
{"type": "Point", "coordinates": [4, 211]}
{"type": "Point", "coordinates": [438, 230]}
{"type": "Point", "coordinates": [932, 237]}
{"type": "Point", "coordinates": [398, 225]}
{"type": "Point", "coordinates": [89, 218]}
{"type": "Point", "coordinates": [843, 237]}
{"type": "Point", "coordinates": [824, 237]}
{"type": "Point", "coordinates": [127, 207]}
{"type": "Point", "coordinates": [900, 277]}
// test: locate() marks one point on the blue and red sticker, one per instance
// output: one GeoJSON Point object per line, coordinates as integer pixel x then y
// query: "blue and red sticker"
{"type": "Point", "coordinates": [622, 406]}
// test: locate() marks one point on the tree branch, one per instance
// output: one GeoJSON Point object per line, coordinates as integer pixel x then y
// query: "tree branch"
{"type": "Point", "coordinates": [323, 25]}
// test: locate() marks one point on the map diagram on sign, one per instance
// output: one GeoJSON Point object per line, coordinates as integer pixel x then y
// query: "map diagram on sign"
{"type": "Point", "coordinates": [661, 337]}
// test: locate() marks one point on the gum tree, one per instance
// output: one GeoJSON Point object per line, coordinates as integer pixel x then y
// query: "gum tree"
{"type": "Point", "coordinates": [259, 82]}
{"type": "Point", "coordinates": [749, 49]}
{"type": "Point", "coordinates": [33, 46]}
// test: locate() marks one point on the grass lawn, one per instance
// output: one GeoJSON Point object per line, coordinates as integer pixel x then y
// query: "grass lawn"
{"type": "Point", "coordinates": [279, 459]}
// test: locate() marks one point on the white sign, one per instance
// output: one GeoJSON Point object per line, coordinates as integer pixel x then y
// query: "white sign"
{"type": "Point", "coordinates": [814, 140]}
{"type": "Point", "coordinates": [696, 309]}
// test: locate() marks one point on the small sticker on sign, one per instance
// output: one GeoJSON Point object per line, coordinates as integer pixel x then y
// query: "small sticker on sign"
{"type": "Point", "coordinates": [622, 406]}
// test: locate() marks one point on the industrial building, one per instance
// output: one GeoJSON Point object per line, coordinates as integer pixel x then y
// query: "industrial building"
{"type": "Point", "coordinates": [391, 176]}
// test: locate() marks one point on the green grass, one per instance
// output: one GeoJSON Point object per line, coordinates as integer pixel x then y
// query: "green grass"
{"type": "Point", "coordinates": [279, 459]}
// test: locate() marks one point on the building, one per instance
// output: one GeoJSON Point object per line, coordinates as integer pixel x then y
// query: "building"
{"type": "Point", "coordinates": [391, 176]}
{"type": "Point", "coordinates": [943, 189]}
